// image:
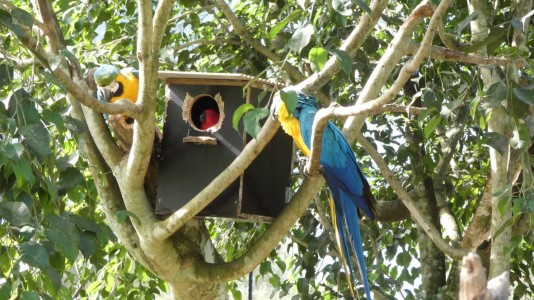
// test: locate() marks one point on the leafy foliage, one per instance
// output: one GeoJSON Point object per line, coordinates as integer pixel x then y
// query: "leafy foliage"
{"type": "Point", "coordinates": [54, 239]}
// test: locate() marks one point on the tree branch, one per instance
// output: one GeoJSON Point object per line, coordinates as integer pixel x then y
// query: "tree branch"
{"type": "Point", "coordinates": [419, 218]}
{"type": "Point", "coordinates": [77, 89]}
{"type": "Point", "coordinates": [207, 42]}
{"type": "Point", "coordinates": [167, 227]}
{"type": "Point", "coordinates": [145, 125]}
{"type": "Point", "coordinates": [444, 54]}
{"type": "Point", "coordinates": [448, 222]}
{"type": "Point", "coordinates": [206, 272]}
{"type": "Point", "coordinates": [350, 45]}
{"type": "Point", "coordinates": [242, 31]}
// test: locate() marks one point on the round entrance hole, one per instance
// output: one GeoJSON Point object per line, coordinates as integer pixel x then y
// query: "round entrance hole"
{"type": "Point", "coordinates": [205, 113]}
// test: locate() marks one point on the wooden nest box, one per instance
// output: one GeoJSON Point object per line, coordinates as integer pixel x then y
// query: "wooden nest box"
{"type": "Point", "coordinates": [192, 157]}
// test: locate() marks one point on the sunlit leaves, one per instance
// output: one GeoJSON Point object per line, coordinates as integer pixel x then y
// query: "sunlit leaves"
{"type": "Point", "coordinates": [525, 95]}
{"type": "Point", "coordinates": [34, 255]}
{"type": "Point", "coordinates": [279, 26]}
{"type": "Point", "coordinates": [37, 139]}
{"type": "Point", "coordinates": [301, 38]}
{"type": "Point", "coordinates": [23, 172]}
{"type": "Point", "coordinates": [238, 114]}
{"type": "Point", "coordinates": [22, 108]}
{"type": "Point", "coordinates": [318, 57]}
{"type": "Point", "coordinates": [344, 60]}
{"type": "Point", "coordinates": [289, 98]}
{"type": "Point", "coordinates": [16, 213]}
{"type": "Point", "coordinates": [252, 119]}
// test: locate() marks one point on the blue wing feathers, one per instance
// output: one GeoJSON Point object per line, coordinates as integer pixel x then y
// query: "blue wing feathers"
{"type": "Point", "coordinates": [345, 179]}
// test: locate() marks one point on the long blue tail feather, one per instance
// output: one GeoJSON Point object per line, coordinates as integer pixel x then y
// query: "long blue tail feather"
{"type": "Point", "coordinates": [350, 189]}
{"type": "Point", "coordinates": [351, 219]}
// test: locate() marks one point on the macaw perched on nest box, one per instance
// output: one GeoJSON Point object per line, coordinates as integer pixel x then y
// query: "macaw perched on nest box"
{"type": "Point", "coordinates": [350, 189]}
{"type": "Point", "coordinates": [114, 84]}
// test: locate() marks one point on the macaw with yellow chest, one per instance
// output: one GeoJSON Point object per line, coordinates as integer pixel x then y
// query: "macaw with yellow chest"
{"type": "Point", "coordinates": [114, 84]}
{"type": "Point", "coordinates": [348, 185]}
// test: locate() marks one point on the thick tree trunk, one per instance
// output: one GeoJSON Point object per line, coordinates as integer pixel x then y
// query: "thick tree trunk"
{"type": "Point", "coordinates": [432, 259]}
{"type": "Point", "coordinates": [498, 123]}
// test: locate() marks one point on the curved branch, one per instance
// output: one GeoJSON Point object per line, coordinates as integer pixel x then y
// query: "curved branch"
{"type": "Point", "coordinates": [121, 107]}
{"type": "Point", "coordinates": [206, 272]}
{"type": "Point", "coordinates": [79, 91]}
{"type": "Point", "coordinates": [445, 54]}
{"type": "Point", "coordinates": [144, 127]}
{"type": "Point", "coordinates": [350, 45]}
{"type": "Point", "coordinates": [420, 219]}
{"type": "Point", "coordinates": [161, 16]}
{"type": "Point", "coordinates": [167, 227]}
{"type": "Point", "coordinates": [242, 31]}
{"type": "Point", "coordinates": [207, 42]}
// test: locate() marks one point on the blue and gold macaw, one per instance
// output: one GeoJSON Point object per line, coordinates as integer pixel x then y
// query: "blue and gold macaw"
{"type": "Point", "coordinates": [114, 84]}
{"type": "Point", "coordinates": [349, 188]}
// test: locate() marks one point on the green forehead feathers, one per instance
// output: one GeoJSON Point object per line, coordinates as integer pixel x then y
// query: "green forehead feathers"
{"type": "Point", "coordinates": [105, 74]}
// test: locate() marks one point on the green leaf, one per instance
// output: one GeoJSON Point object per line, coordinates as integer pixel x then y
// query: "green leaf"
{"type": "Point", "coordinates": [236, 294]}
{"type": "Point", "coordinates": [7, 21]}
{"type": "Point", "coordinates": [14, 151]}
{"type": "Point", "coordinates": [88, 244]}
{"type": "Point", "coordinates": [71, 177]}
{"type": "Point", "coordinates": [252, 120]}
{"type": "Point", "coordinates": [363, 5]}
{"type": "Point", "coordinates": [23, 172]}
{"type": "Point", "coordinates": [22, 108]}
{"type": "Point", "coordinates": [502, 205]}
{"type": "Point", "coordinates": [73, 60]}
{"type": "Point", "coordinates": [29, 295]}
{"type": "Point", "coordinates": [123, 214]}
{"type": "Point", "coordinates": [6, 74]}
{"type": "Point", "coordinates": [54, 118]}
{"type": "Point", "coordinates": [5, 290]}
{"type": "Point", "coordinates": [431, 126]}
{"type": "Point", "coordinates": [275, 280]}
{"type": "Point", "coordinates": [521, 137]}
{"type": "Point", "coordinates": [37, 138]}
{"type": "Point", "coordinates": [494, 95]}
{"type": "Point", "coordinates": [344, 60]}
{"type": "Point", "coordinates": [496, 141]}
{"type": "Point", "coordinates": [85, 224]}
{"type": "Point", "coordinates": [282, 265]}
{"type": "Point", "coordinates": [303, 286]}
{"type": "Point", "coordinates": [75, 125]}
{"type": "Point", "coordinates": [22, 17]}
{"type": "Point", "coordinates": [301, 38]}
{"type": "Point", "coordinates": [280, 25]}
{"type": "Point", "coordinates": [238, 114]}
{"type": "Point", "coordinates": [342, 7]}
{"type": "Point", "coordinates": [318, 57]}
{"type": "Point", "coordinates": [34, 255]}
{"type": "Point", "coordinates": [525, 95]}
{"type": "Point", "coordinates": [16, 213]}
{"type": "Point", "coordinates": [290, 99]}
{"type": "Point", "coordinates": [64, 242]}
{"type": "Point", "coordinates": [265, 267]}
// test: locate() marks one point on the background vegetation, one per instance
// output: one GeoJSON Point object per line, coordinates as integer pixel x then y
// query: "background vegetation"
{"type": "Point", "coordinates": [437, 94]}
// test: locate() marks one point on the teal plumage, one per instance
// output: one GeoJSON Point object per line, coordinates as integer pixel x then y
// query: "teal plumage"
{"type": "Point", "coordinates": [349, 187]}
